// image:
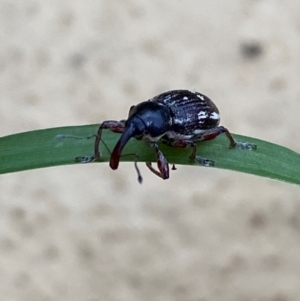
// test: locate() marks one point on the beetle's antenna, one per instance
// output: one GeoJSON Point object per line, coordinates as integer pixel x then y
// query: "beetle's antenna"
{"type": "Point", "coordinates": [140, 178]}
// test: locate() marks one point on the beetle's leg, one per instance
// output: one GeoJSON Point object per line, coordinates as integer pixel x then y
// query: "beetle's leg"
{"type": "Point", "coordinates": [190, 143]}
{"type": "Point", "coordinates": [162, 164]}
{"type": "Point", "coordinates": [112, 125]}
{"type": "Point", "coordinates": [201, 160]}
{"type": "Point", "coordinates": [213, 133]}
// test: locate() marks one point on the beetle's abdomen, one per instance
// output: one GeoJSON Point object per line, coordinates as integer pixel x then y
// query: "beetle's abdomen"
{"type": "Point", "coordinates": [192, 112]}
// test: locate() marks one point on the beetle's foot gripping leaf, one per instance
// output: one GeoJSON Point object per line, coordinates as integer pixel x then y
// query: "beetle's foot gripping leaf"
{"type": "Point", "coordinates": [204, 161]}
{"type": "Point", "coordinates": [246, 145]}
{"type": "Point", "coordinates": [85, 159]}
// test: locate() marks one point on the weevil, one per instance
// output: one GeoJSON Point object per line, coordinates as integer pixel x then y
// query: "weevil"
{"type": "Point", "coordinates": [179, 118]}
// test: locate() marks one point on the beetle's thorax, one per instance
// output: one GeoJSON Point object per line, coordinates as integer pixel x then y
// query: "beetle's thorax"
{"type": "Point", "coordinates": [155, 117]}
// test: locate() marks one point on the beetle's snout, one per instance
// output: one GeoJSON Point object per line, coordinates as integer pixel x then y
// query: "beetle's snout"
{"type": "Point", "coordinates": [133, 130]}
{"type": "Point", "coordinates": [116, 154]}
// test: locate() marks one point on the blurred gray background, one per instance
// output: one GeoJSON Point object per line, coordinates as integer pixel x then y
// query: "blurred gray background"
{"type": "Point", "coordinates": [89, 233]}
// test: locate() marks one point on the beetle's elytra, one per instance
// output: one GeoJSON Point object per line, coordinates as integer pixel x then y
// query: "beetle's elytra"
{"type": "Point", "coordinates": [179, 118]}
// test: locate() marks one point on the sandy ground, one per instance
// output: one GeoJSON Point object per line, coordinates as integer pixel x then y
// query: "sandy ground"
{"type": "Point", "coordinates": [88, 233]}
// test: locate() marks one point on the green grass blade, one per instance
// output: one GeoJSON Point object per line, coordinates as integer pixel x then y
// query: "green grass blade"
{"type": "Point", "coordinates": [43, 148]}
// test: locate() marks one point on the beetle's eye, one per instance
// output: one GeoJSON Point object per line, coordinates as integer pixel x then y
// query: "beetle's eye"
{"type": "Point", "coordinates": [139, 128]}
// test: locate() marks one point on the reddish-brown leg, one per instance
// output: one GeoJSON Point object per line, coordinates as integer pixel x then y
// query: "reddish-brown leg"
{"type": "Point", "coordinates": [193, 156]}
{"type": "Point", "coordinates": [112, 125]}
{"type": "Point", "coordinates": [162, 164]}
{"type": "Point", "coordinates": [208, 135]}
{"type": "Point", "coordinates": [213, 133]}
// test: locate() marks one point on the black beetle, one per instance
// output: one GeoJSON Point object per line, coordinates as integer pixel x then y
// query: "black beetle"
{"type": "Point", "coordinates": [179, 118]}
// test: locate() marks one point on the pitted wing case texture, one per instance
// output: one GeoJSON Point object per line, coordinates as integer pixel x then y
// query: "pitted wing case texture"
{"type": "Point", "coordinates": [192, 112]}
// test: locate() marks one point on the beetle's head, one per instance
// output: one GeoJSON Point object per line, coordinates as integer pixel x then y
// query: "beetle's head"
{"type": "Point", "coordinates": [149, 119]}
